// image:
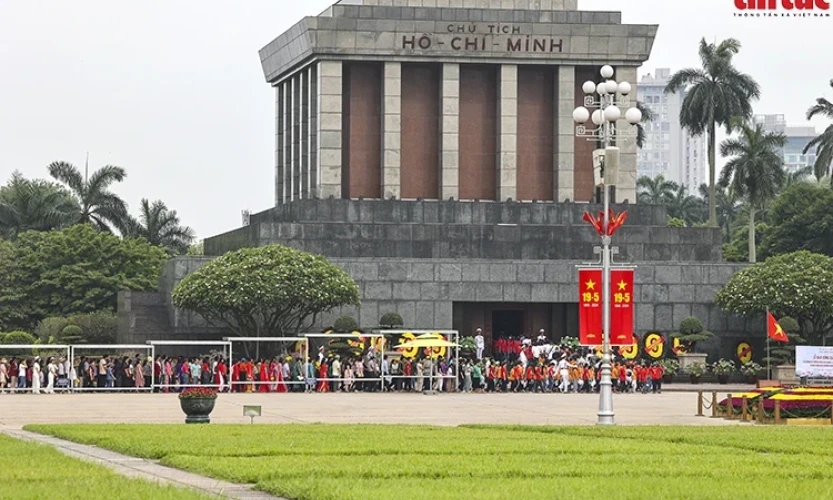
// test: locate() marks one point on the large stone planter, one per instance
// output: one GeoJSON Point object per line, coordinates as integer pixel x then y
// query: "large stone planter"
{"type": "Point", "coordinates": [785, 374]}
{"type": "Point", "coordinates": [689, 359]}
{"type": "Point", "coordinates": [197, 410]}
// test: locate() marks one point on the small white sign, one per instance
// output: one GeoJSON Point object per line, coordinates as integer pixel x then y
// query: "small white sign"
{"type": "Point", "coordinates": [814, 361]}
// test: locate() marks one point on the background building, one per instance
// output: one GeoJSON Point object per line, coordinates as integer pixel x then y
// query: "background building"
{"type": "Point", "coordinates": [669, 150]}
{"type": "Point", "coordinates": [797, 140]}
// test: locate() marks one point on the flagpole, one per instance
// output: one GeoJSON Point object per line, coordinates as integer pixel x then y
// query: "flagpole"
{"type": "Point", "coordinates": [768, 357]}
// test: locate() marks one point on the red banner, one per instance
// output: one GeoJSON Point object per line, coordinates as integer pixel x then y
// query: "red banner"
{"type": "Point", "coordinates": [621, 307]}
{"type": "Point", "coordinates": [590, 307]}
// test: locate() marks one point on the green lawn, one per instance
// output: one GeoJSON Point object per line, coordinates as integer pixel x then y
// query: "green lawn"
{"type": "Point", "coordinates": [343, 462]}
{"type": "Point", "coordinates": [35, 471]}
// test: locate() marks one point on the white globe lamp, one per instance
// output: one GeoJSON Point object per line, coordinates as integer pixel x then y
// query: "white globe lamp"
{"type": "Point", "coordinates": [612, 113]}
{"type": "Point", "coordinates": [624, 88]}
{"type": "Point", "coordinates": [581, 115]}
{"type": "Point", "coordinates": [588, 87]}
{"type": "Point", "coordinates": [633, 115]}
{"type": "Point", "coordinates": [607, 71]}
{"type": "Point", "coordinates": [611, 86]}
{"type": "Point", "coordinates": [597, 117]}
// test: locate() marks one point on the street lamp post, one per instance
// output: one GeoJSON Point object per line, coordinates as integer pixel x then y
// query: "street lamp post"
{"type": "Point", "coordinates": [604, 118]}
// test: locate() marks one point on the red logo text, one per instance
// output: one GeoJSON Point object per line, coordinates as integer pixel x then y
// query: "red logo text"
{"type": "Point", "coordinates": [784, 4]}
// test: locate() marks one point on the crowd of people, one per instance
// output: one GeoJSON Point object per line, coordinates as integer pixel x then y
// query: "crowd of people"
{"type": "Point", "coordinates": [517, 365]}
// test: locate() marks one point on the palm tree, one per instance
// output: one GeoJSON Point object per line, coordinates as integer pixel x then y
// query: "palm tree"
{"type": "Point", "coordinates": [647, 116]}
{"type": "Point", "coordinates": [160, 227]}
{"type": "Point", "coordinates": [714, 95]}
{"type": "Point", "coordinates": [727, 208]}
{"type": "Point", "coordinates": [34, 205]}
{"type": "Point", "coordinates": [685, 206]}
{"type": "Point", "coordinates": [824, 142]}
{"type": "Point", "coordinates": [656, 191]}
{"type": "Point", "coordinates": [756, 171]}
{"type": "Point", "coordinates": [99, 206]}
{"type": "Point", "coordinates": [798, 176]}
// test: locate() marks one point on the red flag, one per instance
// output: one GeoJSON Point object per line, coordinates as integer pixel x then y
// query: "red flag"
{"type": "Point", "coordinates": [774, 330]}
{"type": "Point", "coordinates": [621, 307]}
{"type": "Point", "coordinates": [590, 306]}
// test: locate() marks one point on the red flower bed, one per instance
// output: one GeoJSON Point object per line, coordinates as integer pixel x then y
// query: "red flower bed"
{"type": "Point", "coordinates": [198, 392]}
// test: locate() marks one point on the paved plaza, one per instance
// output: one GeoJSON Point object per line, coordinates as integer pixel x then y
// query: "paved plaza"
{"type": "Point", "coordinates": [669, 408]}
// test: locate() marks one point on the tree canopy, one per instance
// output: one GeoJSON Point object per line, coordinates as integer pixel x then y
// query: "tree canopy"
{"type": "Point", "coordinates": [798, 284]}
{"type": "Point", "coordinates": [161, 227]}
{"type": "Point", "coordinates": [266, 291]}
{"type": "Point", "coordinates": [823, 144]}
{"type": "Point", "coordinates": [801, 219]}
{"type": "Point", "coordinates": [99, 206]}
{"type": "Point", "coordinates": [34, 205]}
{"type": "Point", "coordinates": [72, 271]}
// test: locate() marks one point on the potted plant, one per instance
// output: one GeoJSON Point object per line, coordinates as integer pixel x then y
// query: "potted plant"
{"type": "Point", "coordinates": [723, 368]}
{"type": "Point", "coordinates": [690, 333]}
{"type": "Point", "coordinates": [468, 347]}
{"type": "Point", "coordinates": [197, 403]}
{"type": "Point", "coordinates": [751, 370]}
{"type": "Point", "coordinates": [669, 368]}
{"type": "Point", "coordinates": [695, 371]}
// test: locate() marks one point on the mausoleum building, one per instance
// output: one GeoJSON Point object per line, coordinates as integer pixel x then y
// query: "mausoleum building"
{"type": "Point", "coordinates": [428, 148]}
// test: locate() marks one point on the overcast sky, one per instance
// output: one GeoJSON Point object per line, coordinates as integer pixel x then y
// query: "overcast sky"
{"type": "Point", "coordinates": [173, 91]}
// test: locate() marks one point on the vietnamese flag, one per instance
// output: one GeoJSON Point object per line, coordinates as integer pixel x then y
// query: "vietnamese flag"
{"type": "Point", "coordinates": [590, 307]}
{"type": "Point", "coordinates": [774, 330]}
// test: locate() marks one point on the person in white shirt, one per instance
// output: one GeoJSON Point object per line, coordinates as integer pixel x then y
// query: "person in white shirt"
{"type": "Point", "coordinates": [336, 367]}
{"type": "Point", "coordinates": [36, 375]}
{"type": "Point", "coordinates": [542, 338]}
{"type": "Point", "coordinates": [51, 374]}
{"type": "Point", "coordinates": [479, 343]}
{"type": "Point", "coordinates": [565, 374]}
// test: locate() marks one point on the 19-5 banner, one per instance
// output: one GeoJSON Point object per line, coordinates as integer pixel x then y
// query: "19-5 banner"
{"type": "Point", "coordinates": [621, 307]}
{"type": "Point", "coordinates": [590, 307]}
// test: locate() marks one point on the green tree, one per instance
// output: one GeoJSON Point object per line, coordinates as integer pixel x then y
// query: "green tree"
{"type": "Point", "coordinates": [34, 205]}
{"type": "Point", "coordinates": [756, 171]}
{"type": "Point", "coordinates": [161, 227]}
{"type": "Point", "coordinates": [823, 144]}
{"type": "Point", "coordinates": [266, 291]}
{"type": "Point", "coordinates": [685, 206]}
{"type": "Point", "coordinates": [76, 270]}
{"type": "Point", "coordinates": [196, 249]}
{"type": "Point", "coordinates": [12, 314]}
{"type": "Point", "coordinates": [691, 332]}
{"type": "Point", "coordinates": [656, 191]}
{"type": "Point", "coordinates": [801, 219]}
{"type": "Point", "coordinates": [727, 207]}
{"type": "Point", "coordinates": [798, 284]}
{"type": "Point", "coordinates": [99, 206]}
{"type": "Point", "coordinates": [798, 176]}
{"type": "Point", "coordinates": [98, 327]}
{"type": "Point", "coordinates": [715, 94]}
{"type": "Point", "coordinates": [647, 116]}
{"type": "Point", "coordinates": [391, 320]}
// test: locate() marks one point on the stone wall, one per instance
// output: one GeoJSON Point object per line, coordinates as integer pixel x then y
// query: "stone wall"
{"type": "Point", "coordinates": [423, 292]}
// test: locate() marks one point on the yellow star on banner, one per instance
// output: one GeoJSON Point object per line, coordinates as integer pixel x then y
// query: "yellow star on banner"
{"type": "Point", "coordinates": [623, 285]}
{"type": "Point", "coordinates": [590, 285]}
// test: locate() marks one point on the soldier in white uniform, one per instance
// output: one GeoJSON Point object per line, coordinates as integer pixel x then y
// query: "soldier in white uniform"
{"type": "Point", "coordinates": [479, 343]}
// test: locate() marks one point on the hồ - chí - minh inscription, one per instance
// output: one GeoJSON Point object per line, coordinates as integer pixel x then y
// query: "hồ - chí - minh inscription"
{"type": "Point", "coordinates": [483, 43]}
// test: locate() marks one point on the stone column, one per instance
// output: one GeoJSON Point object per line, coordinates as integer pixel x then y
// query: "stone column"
{"type": "Point", "coordinates": [391, 129]}
{"type": "Point", "coordinates": [450, 151]}
{"type": "Point", "coordinates": [626, 188]}
{"type": "Point", "coordinates": [565, 133]}
{"type": "Point", "coordinates": [279, 198]}
{"type": "Point", "coordinates": [507, 175]}
{"type": "Point", "coordinates": [329, 114]}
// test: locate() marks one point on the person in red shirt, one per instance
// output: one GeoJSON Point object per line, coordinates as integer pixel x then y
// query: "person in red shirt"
{"type": "Point", "coordinates": [656, 373]}
{"type": "Point", "coordinates": [623, 379]}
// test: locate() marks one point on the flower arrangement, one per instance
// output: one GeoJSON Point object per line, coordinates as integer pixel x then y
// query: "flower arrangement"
{"type": "Point", "coordinates": [723, 367]}
{"type": "Point", "coordinates": [751, 369]}
{"type": "Point", "coordinates": [696, 369]}
{"type": "Point", "coordinates": [198, 392]}
{"type": "Point", "coordinates": [669, 365]}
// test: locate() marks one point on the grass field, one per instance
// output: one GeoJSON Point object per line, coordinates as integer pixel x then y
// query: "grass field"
{"type": "Point", "coordinates": [344, 462]}
{"type": "Point", "coordinates": [34, 471]}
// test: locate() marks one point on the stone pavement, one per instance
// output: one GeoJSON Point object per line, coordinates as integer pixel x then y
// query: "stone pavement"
{"type": "Point", "coordinates": [669, 408]}
{"type": "Point", "coordinates": [149, 470]}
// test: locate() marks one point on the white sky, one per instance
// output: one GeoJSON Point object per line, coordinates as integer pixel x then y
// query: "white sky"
{"type": "Point", "coordinates": [172, 90]}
